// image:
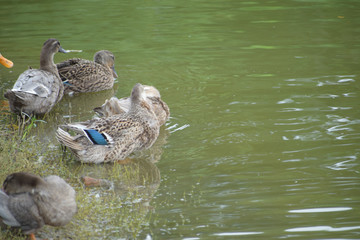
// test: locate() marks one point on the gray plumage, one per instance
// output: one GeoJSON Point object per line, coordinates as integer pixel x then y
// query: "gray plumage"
{"type": "Point", "coordinates": [36, 91]}
{"type": "Point", "coordinates": [29, 201]}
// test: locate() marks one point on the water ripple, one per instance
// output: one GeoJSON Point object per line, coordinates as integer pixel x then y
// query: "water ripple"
{"type": "Point", "coordinates": [321, 210]}
{"type": "Point", "coordinates": [345, 164]}
{"type": "Point", "coordinates": [237, 233]}
{"type": "Point", "coordinates": [177, 128]}
{"type": "Point", "coordinates": [321, 228]}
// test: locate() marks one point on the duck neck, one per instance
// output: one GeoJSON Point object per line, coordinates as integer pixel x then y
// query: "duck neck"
{"type": "Point", "coordinates": [47, 62]}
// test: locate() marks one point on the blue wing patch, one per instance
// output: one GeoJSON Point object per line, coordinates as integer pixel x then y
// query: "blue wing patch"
{"type": "Point", "coordinates": [67, 83]}
{"type": "Point", "coordinates": [96, 137]}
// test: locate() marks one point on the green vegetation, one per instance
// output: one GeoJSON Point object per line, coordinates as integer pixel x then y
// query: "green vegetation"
{"type": "Point", "coordinates": [118, 211]}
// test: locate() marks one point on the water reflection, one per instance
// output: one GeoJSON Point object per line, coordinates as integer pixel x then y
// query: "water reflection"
{"type": "Point", "coordinates": [81, 105]}
{"type": "Point", "coordinates": [139, 175]}
{"type": "Point", "coordinates": [322, 228]}
{"type": "Point", "coordinates": [265, 92]}
{"type": "Point", "coordinates": [321, 210]}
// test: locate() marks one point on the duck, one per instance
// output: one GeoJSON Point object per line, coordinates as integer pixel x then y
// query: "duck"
{"type": "Point", "coordinates": [28, 202]}
{"type": "Point", "coordinates": [36, 91]}
{"type": "Point", "coordinates": [114, 138]}
{"type": "Point", "coordinates": [81, 75]}
{"type": "Point", "coordinates": [115, 106]}
{"type": "Point", "coordinates": [6, 62]}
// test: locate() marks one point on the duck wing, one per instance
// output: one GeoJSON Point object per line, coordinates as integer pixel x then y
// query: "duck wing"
{"type": "Point", "coordinates": [25, 211]}
{"type": "Point", "coordinates": [5, 213]}
{"type": "Point", "coordinates": [35, 82]}
{"type": "Point", "coordinates": [68, 63]}
{"type": "Point", "coordinates": [61, 197]}
{"type": "Point", "coordinates": [85, 76]}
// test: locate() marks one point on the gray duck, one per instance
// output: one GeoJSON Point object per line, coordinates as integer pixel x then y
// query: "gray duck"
{"type": "Point", "coordinates": [81, 75]}
{"type": "Point", "coordinates": [113, 138]}
{"type": "Point", "coordinates": [115, 106]}
{"type": "Point", "coordinates": [36, 91]}
{"type": "Point", "coordinates": [29, 202]}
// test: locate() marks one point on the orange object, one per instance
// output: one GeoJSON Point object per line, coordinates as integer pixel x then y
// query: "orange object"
{"type": "Point", "coordinates": [6, 62]}
{"type": "Point", "coordinates": [32, 236]}
{"type": "Point", "coordinates": [91, 182]}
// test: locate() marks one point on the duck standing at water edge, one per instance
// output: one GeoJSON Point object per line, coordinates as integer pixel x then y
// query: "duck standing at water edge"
{"type": "Point", "coordinates": [36, 91]}
{"type": "Point", "coordinates": [113, 138]}
{"type": "Point", "coordinates": [28, 202]}
{"type": "Point", "coordinates": [80, 75]}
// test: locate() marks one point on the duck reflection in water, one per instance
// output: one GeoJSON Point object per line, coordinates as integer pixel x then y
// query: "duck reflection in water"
{"type": "Point", "coordinates": [139, 177]}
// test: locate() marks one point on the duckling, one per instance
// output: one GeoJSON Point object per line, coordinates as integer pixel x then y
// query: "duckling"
{"type": "Point", "coordinates": [80, 75]}
{"type": "Point", "coordinates": [36, 91]}
{"type": "Point", "coordinates": [115, 106]}
{"type": "Point", "coordinates": [6, 62]}
{"type": "Point", "coordinates": [113, 138]}
{"type": "Point", "coordinates": [29, 202]}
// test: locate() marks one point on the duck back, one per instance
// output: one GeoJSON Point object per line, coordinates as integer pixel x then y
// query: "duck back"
{"type": "Point", "coordinates": [56, 203]}
{"type": "Point", "coordinates": [35, 92]}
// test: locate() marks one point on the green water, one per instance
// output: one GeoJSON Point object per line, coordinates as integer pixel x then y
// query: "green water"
{"type": "Point", "coordinates": [263, 140]}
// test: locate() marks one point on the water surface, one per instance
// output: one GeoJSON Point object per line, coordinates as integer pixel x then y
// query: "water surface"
{"type": "Point", "coordinates": [263, 140]}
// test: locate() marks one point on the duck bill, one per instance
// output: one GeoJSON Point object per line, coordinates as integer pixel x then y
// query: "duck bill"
{"type": "Point", "coordinates": [6, 62]}
{"type": "Point", "coordinates": [115, 75]}
{"type": "Point", "coordinates": [62, 50]}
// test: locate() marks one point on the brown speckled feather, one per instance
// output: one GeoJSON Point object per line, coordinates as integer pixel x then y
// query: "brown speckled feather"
{"type": "Point", "coordinates": [114, 106]}
{"type": "Point", "coordinates": [80, 75]}
{"type": "Point", "coordinates": [124, 133]}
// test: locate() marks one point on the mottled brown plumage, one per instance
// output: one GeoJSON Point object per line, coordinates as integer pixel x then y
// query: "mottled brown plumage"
{"type": "Point", "coordinates": [29, 202]}
{"type": "Point", "coordinates": [80, 75]}
{"type": "Point", "coordinates": [115, 106]}
{"type": "Point", "coordinates": [113, 138]}
{"type": "Point", "coordinates": [36, 91]}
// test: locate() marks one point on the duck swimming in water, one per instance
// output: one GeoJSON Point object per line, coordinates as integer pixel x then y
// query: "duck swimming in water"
{"type": "Point", "coordinates": [113, 138]}
{"type": "Point", "coordinates": [80, 75]}
{"type": "Point", "coordinates": [29, 202]}
{"type": "Point", "coordinates": [36, 91]}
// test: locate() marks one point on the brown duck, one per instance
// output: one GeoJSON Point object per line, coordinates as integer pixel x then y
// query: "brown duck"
{"type": "Point", "coordinates": [113, 138]}
{"type": "Point", "coordinates": [80, 75]}
{"type": "Point", "coordinates": [115, 106]}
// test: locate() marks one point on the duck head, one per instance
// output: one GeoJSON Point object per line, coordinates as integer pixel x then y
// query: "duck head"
{"type": "Point", "coordinates": [50, 47]}
{"type": "Point", "coordinates": [138, 98]}
{"type": "Point", "coordinates": [21, 182]}
{"type": "Point", "coordinates": [106, 58]}
{"type": "Point", "coordinates": [53, 46]}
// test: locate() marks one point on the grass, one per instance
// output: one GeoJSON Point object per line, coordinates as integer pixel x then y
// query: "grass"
{"type": "Point", "coordinates": [121, 211]}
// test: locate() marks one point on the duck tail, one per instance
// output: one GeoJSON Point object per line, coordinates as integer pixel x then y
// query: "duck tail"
{"type": "Point", "coordinates": [16, 100]}
{"type": "Point", "coordinates": [94, 136]}
{"type": "Point", "coordinates": [67, 140]}
{"type": "Point", "coordinates": [5, 213]}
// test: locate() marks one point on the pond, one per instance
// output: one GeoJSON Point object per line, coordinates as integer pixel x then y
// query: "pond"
{"type": "Point", "coordinates": [263, 139]}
